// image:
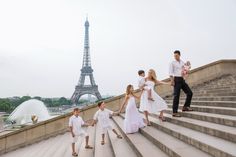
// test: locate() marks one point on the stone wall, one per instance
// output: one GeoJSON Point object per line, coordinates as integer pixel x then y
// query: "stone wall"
{"type": "Point", "coordinates": [58, 125]}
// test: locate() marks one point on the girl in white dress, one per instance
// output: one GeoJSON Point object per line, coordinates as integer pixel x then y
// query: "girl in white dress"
{"type": "Point", "coordinates": [133, 119]}
{"type": "Point", "coordinates": [158, 105]}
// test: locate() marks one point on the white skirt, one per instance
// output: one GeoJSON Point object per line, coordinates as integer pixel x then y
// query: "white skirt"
{"type": "Point", "coordinates": [152, 106]}
{"type": "Point", "coordinates": [133, 119]}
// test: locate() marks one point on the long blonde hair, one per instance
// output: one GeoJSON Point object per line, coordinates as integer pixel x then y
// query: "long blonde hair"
{"type": "Point", "coordinates": [153, 75]}
{"type": "Point", "coordinates": [128, 90]}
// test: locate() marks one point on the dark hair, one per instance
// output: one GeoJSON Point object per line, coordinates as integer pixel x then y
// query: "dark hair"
{"type": "Point", "coordinates": [177, 51]}
{"type": "Point", "coordinates": [76, 109]}
{"type": "Point", "coordinates": [140, 72]}
{"type": "Point", "coordinates": [100, 103]}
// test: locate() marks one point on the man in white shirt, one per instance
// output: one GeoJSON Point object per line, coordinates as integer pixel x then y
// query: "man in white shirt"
{"type": "Point", "coordinates": [75, 124]}
{"type": "Point", "coordinates": [103, 118]}
{"type": "Point", "coordinates": [179, 83]}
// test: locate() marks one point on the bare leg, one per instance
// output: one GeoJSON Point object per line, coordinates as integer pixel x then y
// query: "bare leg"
{"type": "Point", "coordinates": [161, 116]}
{"type": "Point", "coordinates": [115, 131]}
{"type": "Point", "coordinates": [146, 116]}
{"type": "Point", "coordinates": [73, 148]}
{"type": "Point", "coordinates": [118, 136]}
{"type": "Point", "coordinates": [87, 140]}
{"type": "Point", "coordinates": [103, 139]}
{"type": "Point", "coordinates": [150, 95]}
{"type": "Point", "coordinates": [87, 146]}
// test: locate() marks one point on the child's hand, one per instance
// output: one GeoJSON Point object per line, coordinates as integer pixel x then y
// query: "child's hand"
{"type": "Point", "coordinates": [92, 124]}
{"type": "Point", "coordinates": [73, 135]}
{"type": "Point", "coordinates": [115, 113]}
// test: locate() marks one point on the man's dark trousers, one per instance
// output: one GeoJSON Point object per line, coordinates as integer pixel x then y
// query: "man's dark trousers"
{"type": "Point", "coordinates": [181, 84]}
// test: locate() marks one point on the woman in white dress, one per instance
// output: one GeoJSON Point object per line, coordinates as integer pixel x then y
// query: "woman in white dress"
{"type": "Point", "coordinates": [133, 119]}
{"type": "Point", "coordinates": [158, 104]}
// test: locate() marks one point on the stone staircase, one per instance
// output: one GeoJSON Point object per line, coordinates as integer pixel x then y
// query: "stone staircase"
{"type": "Point", "coordinates": [210, 130]}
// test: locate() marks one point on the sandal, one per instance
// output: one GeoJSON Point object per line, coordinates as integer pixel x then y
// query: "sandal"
{"type": "Point", "coordinates": [88, 147]}
{"type": "Point", "coordinates": [74, 154]}
{"type": "Point", "coordinates": [151, 99]}
{"type": "Point", "coordinates": [103, 142]}
{"type": "Point", "coordinates": [149, 124]}
{"type": "Point", "coordinates": [119, 136]}
{"type": "Point", "coordinates": [162, 119]}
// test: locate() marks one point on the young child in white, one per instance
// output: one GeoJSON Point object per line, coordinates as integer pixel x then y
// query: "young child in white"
{"type": "Point", "coordinates": [75, 124]}
{"type": "Point", "coordinates": [185, 69]}
{"type": "Point", "coordinates": [143, 86]}
{"type": "Point", "coordinates": [103, 118]}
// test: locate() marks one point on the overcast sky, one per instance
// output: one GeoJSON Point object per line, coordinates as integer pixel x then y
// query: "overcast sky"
{"type": "Point", "coordinates": [41, 42]}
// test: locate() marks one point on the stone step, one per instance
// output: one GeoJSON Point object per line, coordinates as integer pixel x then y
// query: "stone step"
{"type": "Point", "coordinates": [216, 87]}
{"type": "Point", "coordinates": [221, 131]}
{"type": "Point", "coordinates": [172, 146]}
{"type": "Point", "coordinates": [223, 83]}
{"type": "Point", "coordinates": [30, 150]}
{"type": "Point", "coordinates": [141, 145]}
{"type": "Point", "coordinates": [208, 117]}
{"type": "Point", "coordinates": [222, 79]}
{"type": "Point", "coordinates": [214, 91]}
{"type": "Point", "coordinates": [212, 109]}
{"type": "Point", "coordinates": [207, 98]}
{"type": "Point", "coordinates": [120, 147]}
{"type": "Point", "coordinates": [212, 145]}
{"type": "Point", "coordinates": [225, 87]}
{"type": "Point", "coordinates": [60, 149]}
{"type": "Point", "coordinates": [231, 104]}
{"type": "Point", "coordinates": [196, 94]}
{"type": "Point", "coordinates": [102, 150]}
{"type": "Point", "coordinates": [46, 148]}
{"type": "Point", "coordinates": [67, 151]}
{"type": "Point", "coordinates": [213, 94]}
{"type": "Point", "coordinates": [87, 152]}
{"type": "Point", "coordinates": [50, 147]}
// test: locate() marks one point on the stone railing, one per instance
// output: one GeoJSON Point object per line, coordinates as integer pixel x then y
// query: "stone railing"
{"type": "Point", "coordinates": [57, 125]}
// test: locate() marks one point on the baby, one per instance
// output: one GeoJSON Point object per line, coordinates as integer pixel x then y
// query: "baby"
{"type": "Point", "coordinates": [185, 69]}
{"type": "Point", "coordinates": [142, 86]}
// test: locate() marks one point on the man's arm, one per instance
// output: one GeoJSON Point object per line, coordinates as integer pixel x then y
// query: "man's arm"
{"type": "Point", "coordinates": [171, 73]}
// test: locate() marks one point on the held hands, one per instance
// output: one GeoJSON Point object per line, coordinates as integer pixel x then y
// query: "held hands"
{"type": "Point", "coordinates": [116, 113]}
{"type": "Point", "coordinates": [93, 123]}
{"type": "Point", "coordinates": [73, 135]}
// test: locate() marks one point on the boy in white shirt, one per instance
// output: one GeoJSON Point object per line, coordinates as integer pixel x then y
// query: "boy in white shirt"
{"type": "Point", "coordinates": [142, 86]}
{"type": "Point", "coordinates": [75, 124]}
{"type": "Point", "coordinates": [103, 118]}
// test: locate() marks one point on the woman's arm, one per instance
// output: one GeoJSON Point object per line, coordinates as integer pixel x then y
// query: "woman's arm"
{"type": "Point", "coordinates": [161, 82]}
{"type": "Point", "coordinates": [137, 97]}
{"type": "Point", "coordinates": [125, 102]}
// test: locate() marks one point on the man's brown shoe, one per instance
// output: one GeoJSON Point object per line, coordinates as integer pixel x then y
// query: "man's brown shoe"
{"type": "Point", "coordinates": [187, 109]}
{"type": "Point", "coordinates": [176, 115]}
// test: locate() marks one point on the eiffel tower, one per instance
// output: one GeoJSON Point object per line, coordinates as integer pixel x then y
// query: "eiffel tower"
{"type": "Point", "coordinates": [86, 71]}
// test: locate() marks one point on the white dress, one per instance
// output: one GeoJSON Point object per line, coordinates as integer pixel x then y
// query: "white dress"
{"type": "Point", "coordinates": [151, 106]}
{"type": "Point", "coordinates": [133, 119]}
